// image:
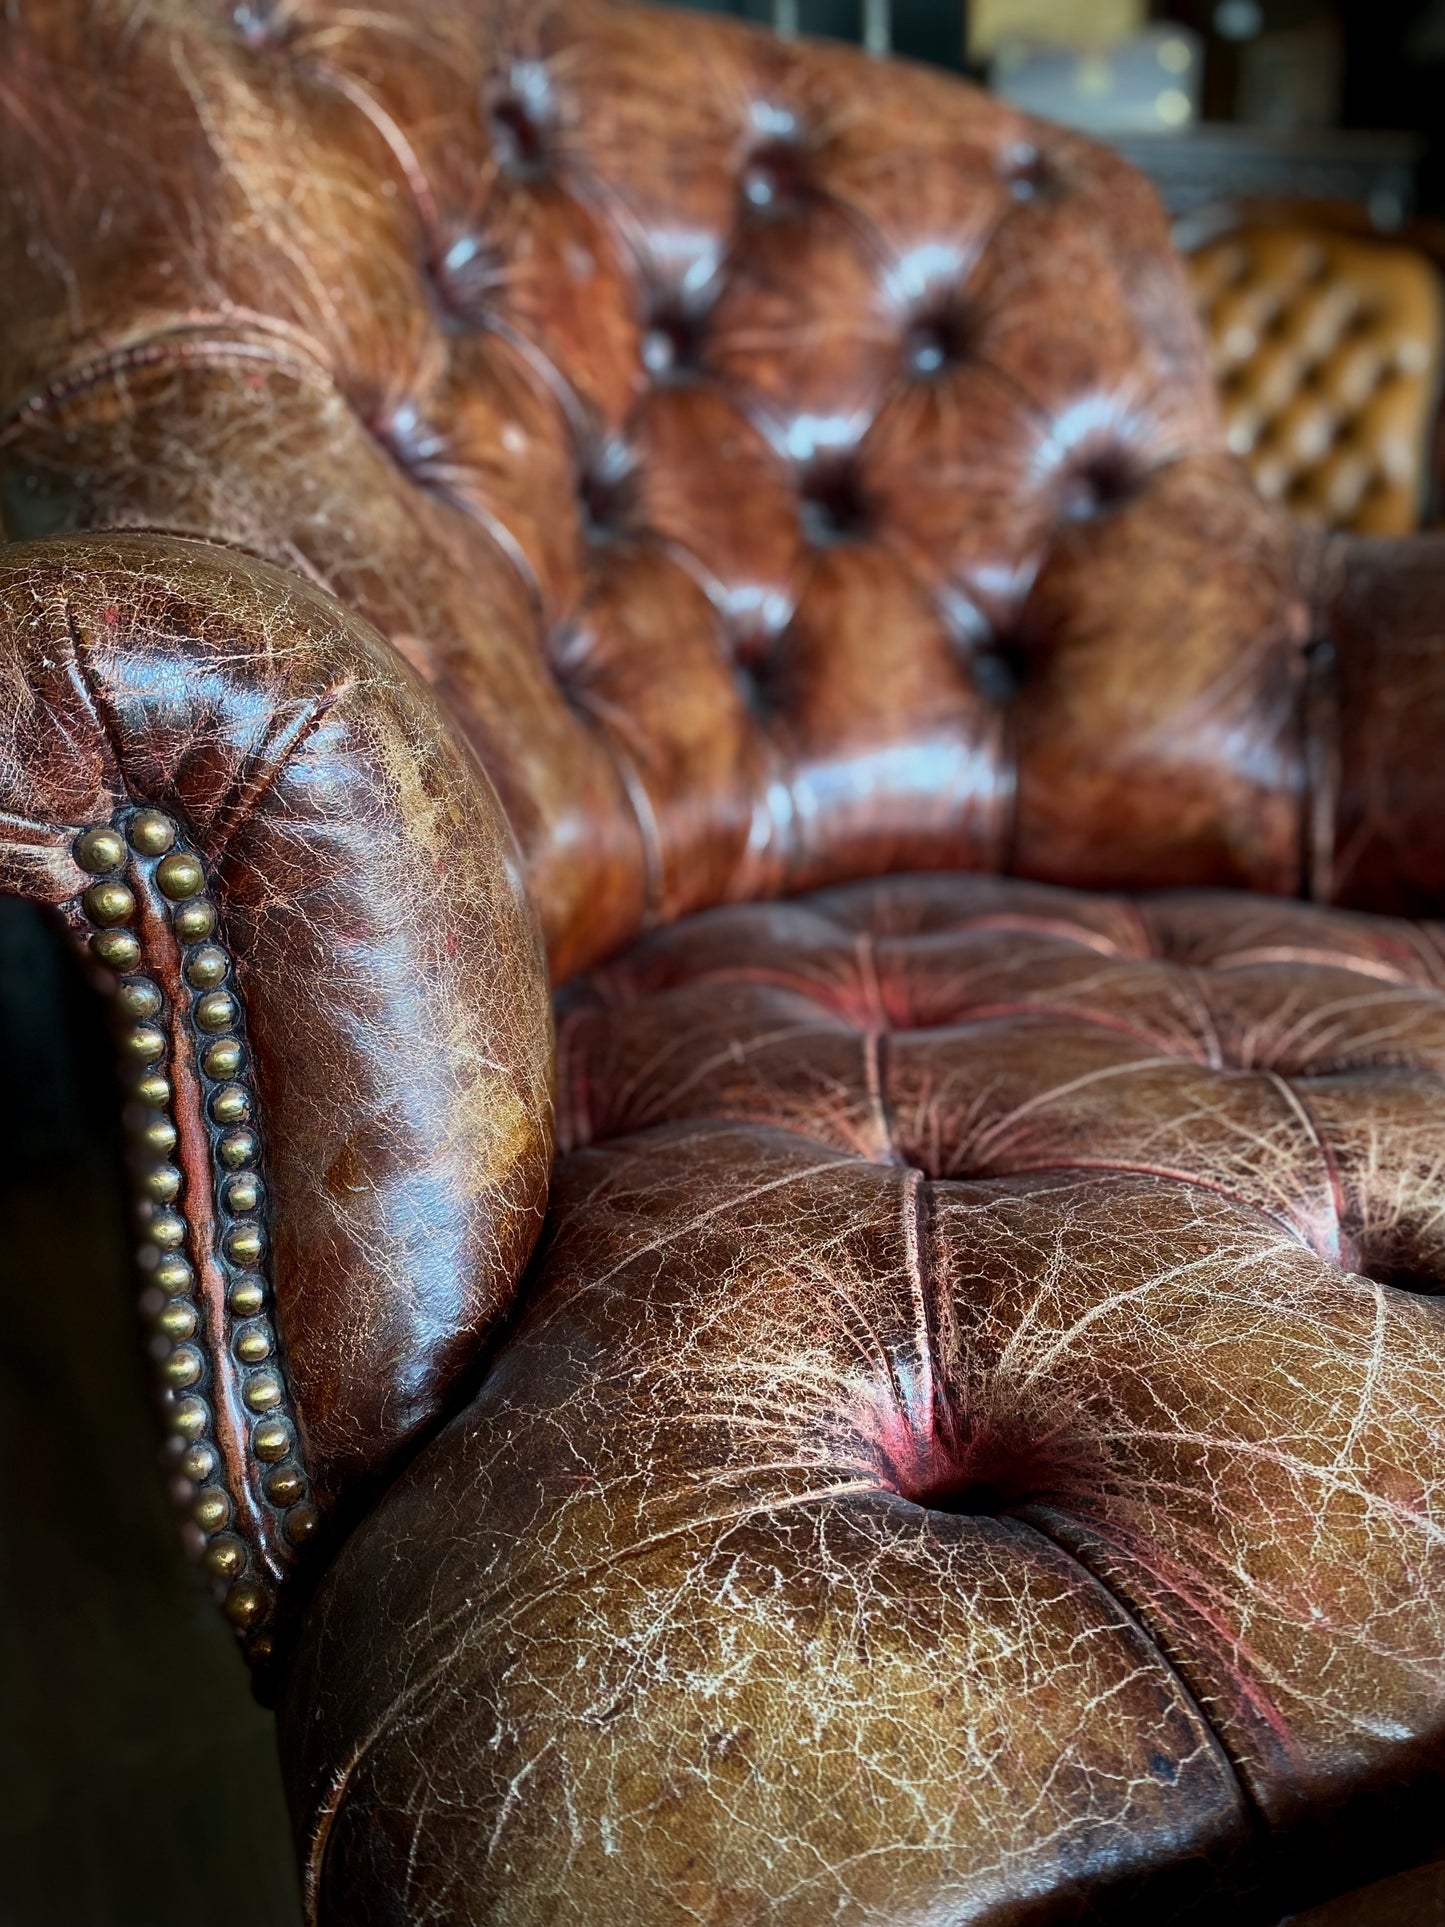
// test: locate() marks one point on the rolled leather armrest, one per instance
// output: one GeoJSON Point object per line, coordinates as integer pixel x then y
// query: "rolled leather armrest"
{"type": "Point", "coordinates": [301, 892]}
{"type": "Point", "coordinates": [1380, 824]}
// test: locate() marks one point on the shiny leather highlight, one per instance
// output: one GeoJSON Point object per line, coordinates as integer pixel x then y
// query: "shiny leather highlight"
{"type": "Point", "coordinates": [370, 895]}
{"type": "Point", "coordinates": [634, 383]}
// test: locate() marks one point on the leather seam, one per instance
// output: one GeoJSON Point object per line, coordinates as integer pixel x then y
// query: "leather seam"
{"type": "Point", "coordinates": [919, 1236]}
{"type": "Point", "coordinates": [1113, 1169]}
{"type": "Point", "coordinates": [251, 798]}
{"type": "Point", "coordinates": [89, 684]}
{"type": "Point", "coordinates": [1320, 772]}
{"type": "Point", "coordinates": [165, 348]}
{"type": "Point", "coordinates": [1252, 1812]}
{"type": "Point", "coordinates": [1334, 1183]}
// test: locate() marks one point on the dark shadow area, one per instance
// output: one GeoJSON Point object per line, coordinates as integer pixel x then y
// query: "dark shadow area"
{"type": "Point", "coordinates": [138, 1778]}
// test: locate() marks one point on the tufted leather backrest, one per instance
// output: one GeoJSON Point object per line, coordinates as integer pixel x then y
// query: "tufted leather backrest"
{"type": "Point", "coordinates": [1329, 351]}
{"type": "Point", "coordinates": [786, 467]}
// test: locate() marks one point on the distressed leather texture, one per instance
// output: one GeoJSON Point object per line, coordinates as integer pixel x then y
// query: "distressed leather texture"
{"type": "Point", "coordinates": [968, 1444]}
{"type": "Point", "coordinates": [1329, 350]}
{"type": "Point", "coordinates": [370, 891]}
{"type": "Point", "coordinates": [971, 1450]}
{"type": "Point", "coordinates": [633, 373]}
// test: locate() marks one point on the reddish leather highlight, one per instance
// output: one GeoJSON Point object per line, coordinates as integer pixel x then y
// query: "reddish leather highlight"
{"type": "Point", "coordinates": [368, 888]}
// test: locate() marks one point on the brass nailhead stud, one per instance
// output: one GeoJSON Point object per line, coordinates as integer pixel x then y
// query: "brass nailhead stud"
{"type": "Point", "coordinates": [173, 1275]}
{"type": "Point", "coordinates": [301, 1522]}
{"type": "Point", "coordinates": [216, 1010]}
{"type": "Point", "coordinates": [99, 850]}
{"type": "Point", "coordinates": [225, 1556]}
{"type": "Point", "coordinates": [182, 1368]}
{"type": "Point", "coordinates": [179, 876]}
{"type": "Point", "coordinates": [271, 1440]}
{"type": "Point", "coordinates": [244, 1244]}
{"type": "Point", "coordinates": [198, 1462]}
{"type": "Point", "coordinates": [238, 1148]}
{"type": "Point", "coordinates": [145, 1043]}
{"type": "Point", "coordinates": [152, 832]}
{"type": "Point", "coordinates": [243, 1192]}
{"type": "Point", "coordinates": [246, 1296]}
{"type": "Point", "coordinates": [284, 1485]}
{"type": "Point", "coordinates": [231, 1105]}
{"type": "Point", "coordinates": [210, 1508]}
{"type": "Point", "coordinates": [116, 949]}
{"type": "Point", "coordinates": [177, 1320]}
{"type": "Point", "coordinates": [263, 1392]}
{"type": "Point", "coordinates": [162, 1182]}
{"type": "Point", "coordinates": [245, 1604]}
{"type": "Point", "coordinates": [167, 1229]}
{"type": "Point", "coordinates": [156, 1133]}
{"type": "Point", "coordinates": [189, 1418]}
{"type": "Point", "coordinates": [108, 903]}
{"type": "Point", "coordinates": [207, 967]}
{"type": "Point", "coordinates": [139, 999]}
{"type": "Point", "coordinates": [193, 920]}
{"type": "Point", "coordinates": [223, 1058]}
{"type": "Point", "coordinates": [253, 1344]}
{"type": "Point", "coordinates": [153, 1089]}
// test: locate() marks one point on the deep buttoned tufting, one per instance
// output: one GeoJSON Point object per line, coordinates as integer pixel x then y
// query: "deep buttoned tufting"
{"type": "Point", "coordinates": [977, 1028]}
{"type": "Point", "coordinates": [635, 374]}
{"type": "Point", "coordinates": [968, 1445]}
{"type": "Point", "coordinates": [972, 1450]}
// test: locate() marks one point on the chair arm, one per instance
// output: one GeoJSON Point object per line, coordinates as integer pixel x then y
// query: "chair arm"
{"type": "Point", "coordinates": [301, 892]}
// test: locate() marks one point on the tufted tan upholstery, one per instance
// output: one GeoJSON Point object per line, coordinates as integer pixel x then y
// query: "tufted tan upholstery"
{"type": "Point", "coordinates": [960, 1439]}
{"type": "Point", "coordinates": [1329, 350]}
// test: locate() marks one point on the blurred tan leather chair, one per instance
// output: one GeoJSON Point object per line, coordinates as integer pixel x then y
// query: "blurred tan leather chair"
{"type": "Point", "coordinates": [1328, 348]}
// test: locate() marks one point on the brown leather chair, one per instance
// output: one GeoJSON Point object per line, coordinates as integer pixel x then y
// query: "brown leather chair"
{"type": "Point", "coordinates": [525, 502]}
{"type": "Point", "coordinates": [1328, 344]}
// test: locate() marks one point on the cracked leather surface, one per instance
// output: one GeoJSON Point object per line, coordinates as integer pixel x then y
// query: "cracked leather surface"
{"type": "Point", "coordinates": [370, 891]}
{"type": "Point", "coordinates": [633, 381]}
{"type": "Point", "coordinates": [971, 1449]}
{"type": "Point", "coordinates": [968, 1447]}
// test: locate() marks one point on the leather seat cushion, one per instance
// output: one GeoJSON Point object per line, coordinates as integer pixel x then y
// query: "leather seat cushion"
{"type": "Point", "coordinates": [972, 1447]}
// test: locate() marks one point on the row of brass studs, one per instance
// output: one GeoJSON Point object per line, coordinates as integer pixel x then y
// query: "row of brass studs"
{"type": "Point", "coordinates": [147, 840]}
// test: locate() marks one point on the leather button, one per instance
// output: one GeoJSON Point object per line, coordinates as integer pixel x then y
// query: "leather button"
{"type": "Point", "coordinates": [1000, 671]}
{"type": "Point", "coordinates": [257, 24]}
{"type": "Point", "coordinates": [1098, 483]}
{"type": "Point", "coordinates": [936, 342]}
{"type": "Point", "coordinates": [834, 508]}
{"type": "Point", "coordinates": [1028, 174]}
{"type": "Point", "coordinates": [773, 180]}
{"type": "Point", "coordinates": [606, 493]}
{"type": "Point", "coordinates": [672, 345]}
{"type": "Point", "coordinates": [520, 118]}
